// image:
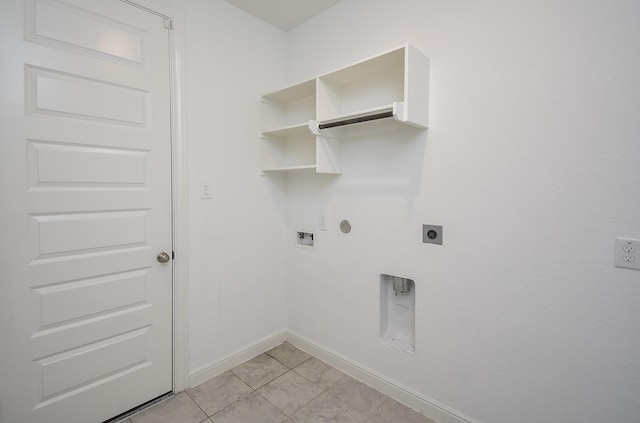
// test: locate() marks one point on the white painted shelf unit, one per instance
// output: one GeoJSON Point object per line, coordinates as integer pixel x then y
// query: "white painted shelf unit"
{"type": "Point", "coordinates": [300, 124]}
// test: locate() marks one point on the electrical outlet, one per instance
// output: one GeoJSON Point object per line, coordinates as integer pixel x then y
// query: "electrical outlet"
{"type": "Point", "coordinates": [432, 234]}
{"type": "Point", "coordinates": [627, 253]}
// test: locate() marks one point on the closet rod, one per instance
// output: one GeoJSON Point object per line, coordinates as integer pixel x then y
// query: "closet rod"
{"type": "Point", "coordinates": [355, 120]}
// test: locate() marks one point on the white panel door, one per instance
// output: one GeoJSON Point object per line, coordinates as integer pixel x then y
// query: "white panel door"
{"type": "Point", "coordinates": [85, 166]}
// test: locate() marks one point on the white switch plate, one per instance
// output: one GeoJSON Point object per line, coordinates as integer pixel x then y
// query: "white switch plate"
{"type": "Point", "coordinates": [206, 191]}
{"type": "Point", "coordinates": [322, 222]}
{"type": "Point", "coordinates": [627, 253]}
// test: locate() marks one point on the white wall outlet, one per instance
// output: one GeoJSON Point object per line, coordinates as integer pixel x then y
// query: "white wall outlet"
{"type": "Point", "coordinates": [322, 222]}
{"type": "Point", "coordinates": [627, 253]}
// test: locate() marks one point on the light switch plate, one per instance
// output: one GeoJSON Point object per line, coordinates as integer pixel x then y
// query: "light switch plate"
{"type": "Point", "coordinates": [206, 191]}
{"type": "Point", "coordinates": [322, 222]}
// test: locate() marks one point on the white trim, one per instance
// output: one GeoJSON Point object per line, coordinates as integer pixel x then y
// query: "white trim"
{"type": "Point", "coordinates": [230, 361]}
{"type": "Point", "coordinates": [179, 189]}
{"type": "Point", "coordinates": [180, 208]}
{"type": "Point", "coordinates": [427, 406]}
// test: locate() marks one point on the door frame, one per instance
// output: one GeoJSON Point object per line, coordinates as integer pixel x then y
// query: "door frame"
{"type": "Point", "coordinates": [179, 187]}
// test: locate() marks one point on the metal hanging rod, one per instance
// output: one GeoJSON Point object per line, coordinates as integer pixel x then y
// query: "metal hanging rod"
{"type": "Point", "coordinates": [358, 119]}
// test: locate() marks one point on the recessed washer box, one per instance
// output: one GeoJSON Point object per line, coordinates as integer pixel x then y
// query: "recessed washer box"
{"type": "Point", "coordinates": [398, 312]}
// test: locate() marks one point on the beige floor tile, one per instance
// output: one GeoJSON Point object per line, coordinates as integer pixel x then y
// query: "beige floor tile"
{"type": "Point", "coordinates": [319, 372]}
{"type": "Point", "coordinates": [290, 392]}
{"type": "Point", "coordinates": [230, 397]}
{"type": "Point", "coordinates": [259, 371]}
{"type": "Point", "coordinates": [288, 355]}
{"type": "Point", "coordinates": [394, 412]}
{"type": "Point", "coordinates": [358, 395]}
{"type": "Point", "coordinates": [327, 408]}
{"type": "Point", "coordinates": [179, 409]}
{"type": "Point", "coordinates": [219, 392]}
{"type": "Point", "coordinates": [252, 409]}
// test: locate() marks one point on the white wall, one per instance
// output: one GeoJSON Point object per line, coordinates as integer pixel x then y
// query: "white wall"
{"type": "Point", "coordinates": [530, 163]}
{"type": "Point", "coordinates": [237, 278]}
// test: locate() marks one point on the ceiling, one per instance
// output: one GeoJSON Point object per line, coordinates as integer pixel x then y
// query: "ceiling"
{"type": "Point", "coordinates": [284, 14]}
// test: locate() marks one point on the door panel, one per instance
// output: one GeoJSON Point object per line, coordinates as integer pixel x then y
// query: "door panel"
{"type": "Point", "coordinates": [85, 308]}
{"type": "Point", "coordinates": [91, 231]}
{"type": "Point", "coordinates": [73, 96]}
{"type": "Point", "coordinates": [74, 369]}
{"type": "Point", "coordinates": [100, 166]}
{"type": "Point", "coordinates": [78, 300]}
{"type": "Point", "coordinates": [103, 37]}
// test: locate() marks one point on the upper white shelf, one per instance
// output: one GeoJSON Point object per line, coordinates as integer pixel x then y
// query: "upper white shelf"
{"type": "Point", "coordinates": [293, 106]}
{"type": "Point", "coordinates": [293, 93]}
{"type": "Point", "coordinates": [393, 85]}
{"type": "Point", "coordinates": [399, 78]}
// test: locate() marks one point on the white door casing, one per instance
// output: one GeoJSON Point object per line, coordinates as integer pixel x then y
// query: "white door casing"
{"type": "Point", "coordinates": [85, 143]}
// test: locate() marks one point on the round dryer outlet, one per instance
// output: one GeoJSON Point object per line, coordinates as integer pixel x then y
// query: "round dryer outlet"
{"type": "Point", "coordinates": [345, 226]}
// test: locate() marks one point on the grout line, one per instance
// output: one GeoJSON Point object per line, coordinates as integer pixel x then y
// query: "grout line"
{"type": "Point", "coordinates": [275, 406]}
{"type": "Point", "coordinates": [196, 403]}
{"type": "Point", "coordinates": [289, 369]}
{"type": "Point", "coordinates": [374, 412]}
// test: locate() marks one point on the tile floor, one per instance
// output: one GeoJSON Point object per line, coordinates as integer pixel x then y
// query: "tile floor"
{"type": "Point", "coordinates": [284, 385]}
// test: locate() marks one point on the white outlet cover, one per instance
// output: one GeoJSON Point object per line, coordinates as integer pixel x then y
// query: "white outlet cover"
{"type": "Point", "coordinates": [627, 253]}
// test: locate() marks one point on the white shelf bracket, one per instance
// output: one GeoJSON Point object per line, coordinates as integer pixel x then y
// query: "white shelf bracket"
{"type": "Point", "coordinates": [400, 111]}
{"type": "Point", "coordinates": [314, 127]}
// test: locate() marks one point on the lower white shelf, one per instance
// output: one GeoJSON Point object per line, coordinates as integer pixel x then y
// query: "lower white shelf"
{"type": "Point", "coordinates": [300, 168]}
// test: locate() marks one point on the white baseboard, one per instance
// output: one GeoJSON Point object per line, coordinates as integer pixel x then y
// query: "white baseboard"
{"type": "Point", "coordinates": [206, 372]}
{"type": "Point", "coordinates": [427, 406]}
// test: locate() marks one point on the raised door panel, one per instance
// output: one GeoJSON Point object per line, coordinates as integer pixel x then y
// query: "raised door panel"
{"type": "Point", "coordinates": [75, 370]}
{"type": "Point", "coordinates": [61, 94]}
{"type": "Point", "coordinates": [94, 166]}
{"type": "Point", "coordinates": [102, 36]}
{"type": "Point", "coordinates": [70, 302]}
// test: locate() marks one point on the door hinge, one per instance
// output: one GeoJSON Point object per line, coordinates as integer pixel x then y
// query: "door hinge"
{"type": "Point", "coordinates": [167, 23]}
{"type": "Point", "coordinates": [173, 255]}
